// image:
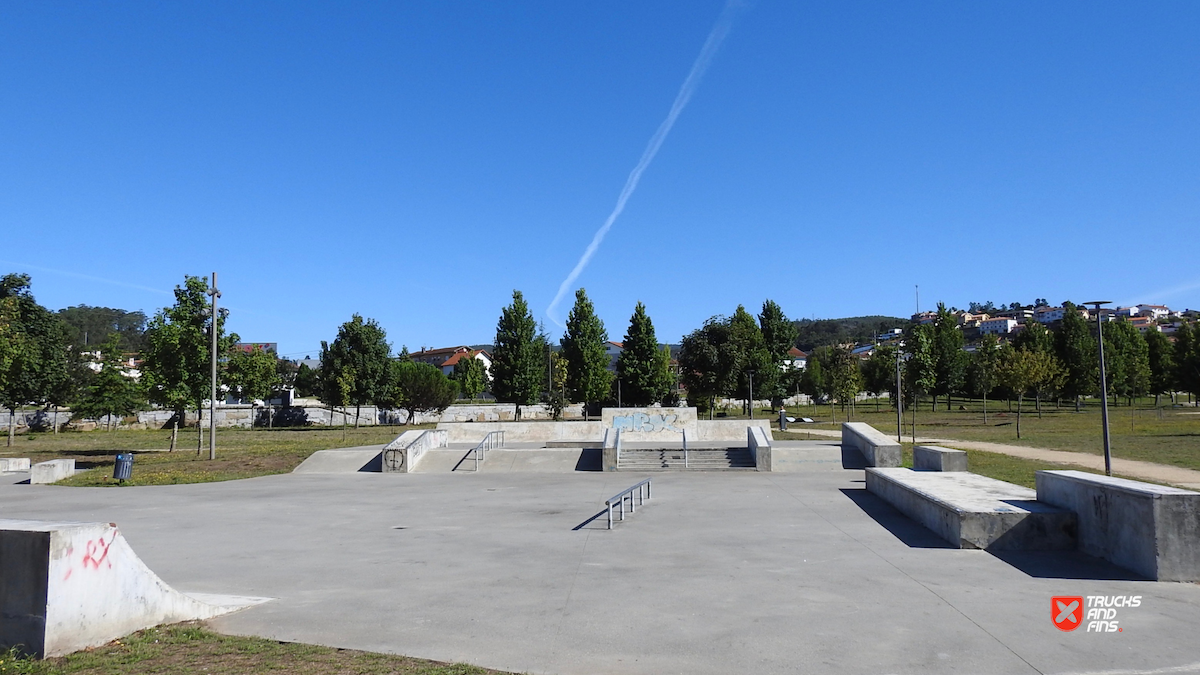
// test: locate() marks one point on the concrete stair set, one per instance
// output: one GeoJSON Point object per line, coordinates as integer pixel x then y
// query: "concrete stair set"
{"type": "Point", "coordinates": [727, 459]}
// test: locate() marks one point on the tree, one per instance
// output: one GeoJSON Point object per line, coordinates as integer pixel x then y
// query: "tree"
{"type": "Point", "coordinates": [1076, 351]}
{"type": "Point", "coordinates": [879, 372]}
{"type": "Point", "coordinates": [36, 353]}
{"type": "Point", "coordinates": [112, 392]}
{"type": "Point", "coordinates": [1160, 358]}
{"type": "Point", "coordinates": [984, 369]}
{"type": "Point", "coordinates": [843, 378]}
{"type": "Point", "coordinates": [949, 359]}
{"type": "Point", "coordinates": [418, 387]}
{"type": "Point", "coordinates": [779, 336]}
{"type": "Point", "coordinates": [362, 346]}
{"type": "Point", "coordinates": [91, 326]}
{"type": "Point", "coordinates": [583, 346]}
{"type": "Point", "coordinates": [1021, 371]}
{"type": "Point", "coordinates": [920, 375]}
{"type": "Point", "coordinates": [1034, 338]}
{"type": "Point", "coordinates": [308, 380]}
{"type": "Point", "coordinates": [812, 381]}
{"type": "Point", "coordinates": [1126, 360]}
{"type": "Point", "coordinates": [642, 378]}
{"type": "Point", "coordinates": [470, 374]}
{"type": "Point", "coordinates": [253, 375]}
{"type": "Point", "coordinates": [516, 362]}
{"type": "Point", "coordinates": [708, 363]}
{"type": "Point", "coordinates": [176, 366]}
{"type": "Point", "coordinates": [754, 364]}
{"type": "Point", "coordinates": [1187, 360]}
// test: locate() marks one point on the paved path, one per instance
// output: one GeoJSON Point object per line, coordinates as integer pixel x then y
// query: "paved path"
{"type": "Point", "coordinates": [722, 572]}
{"type": "Point", "coordinates": [1158, 473]}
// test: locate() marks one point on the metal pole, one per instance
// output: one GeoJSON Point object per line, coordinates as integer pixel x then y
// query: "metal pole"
{"type": "Point", "coordinates": [899, 400]}
{"type": "Point", "coordinates": [1103, 386]}
{"type": "Point", "coordinates": [212, 401]}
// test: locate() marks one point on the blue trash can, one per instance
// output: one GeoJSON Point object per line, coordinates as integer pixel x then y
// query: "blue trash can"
{"type": "Point", "coordinates": [123, 469]}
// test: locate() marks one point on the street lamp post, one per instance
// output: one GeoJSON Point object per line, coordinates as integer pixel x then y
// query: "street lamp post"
{"type": "Point", "coordinates": [899, 401]}
{"type": "Point", "coordinates": [1103, 385]}
{"type": "Point", "coordinates": [212, 401]}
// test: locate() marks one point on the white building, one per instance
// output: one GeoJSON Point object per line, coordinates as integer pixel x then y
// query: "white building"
{"type": "Point", "coordinates": [613, 350]}
{"type": "Point", "coordinates": [1001, 325]}
{"type": "Point", "coordinates": [1049, 314]}
{"type": "Point", "coordinates": [1155, 312]}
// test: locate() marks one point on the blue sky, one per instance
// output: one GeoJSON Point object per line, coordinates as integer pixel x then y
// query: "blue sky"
{"type": "Point", "coordinates": [415, 162]}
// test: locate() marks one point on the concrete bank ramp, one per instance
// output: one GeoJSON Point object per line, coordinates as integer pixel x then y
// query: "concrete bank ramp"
{"type": "Point", "coordinates": [68, 586]}
{"type": "Point", "coordinates": [501, 460]}
{"type": "Point", "coordinates": [343, 460]}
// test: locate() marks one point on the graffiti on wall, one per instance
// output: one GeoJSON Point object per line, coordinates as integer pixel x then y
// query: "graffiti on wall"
{"type": "Point", "coordinates": [644, 422]}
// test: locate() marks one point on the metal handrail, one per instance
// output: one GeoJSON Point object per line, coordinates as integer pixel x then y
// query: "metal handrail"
{"type": "Point", "coordinates": [493, 440]}
{"type": "Point", "coordinates": [643, 492]}
{"type": "Point", "coordinates": [685, 449]}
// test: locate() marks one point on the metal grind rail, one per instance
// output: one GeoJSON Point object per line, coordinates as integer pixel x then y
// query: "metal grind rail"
{"type": "Point", "coordinates": [494, 439]}
{"type": "Point", "coordinates": [618, 500]}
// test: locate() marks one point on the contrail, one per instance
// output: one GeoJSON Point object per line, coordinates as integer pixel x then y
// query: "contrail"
{"type": "Point", "coordinates": [1164, 293]}
{"type": "Point", "coordinates": [86, 277]}
{"type": "Point", "coordinates": [711, 45]}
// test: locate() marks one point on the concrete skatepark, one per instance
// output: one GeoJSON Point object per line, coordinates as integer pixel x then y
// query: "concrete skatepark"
{"type": "Point", "coordinates": [795, 569]}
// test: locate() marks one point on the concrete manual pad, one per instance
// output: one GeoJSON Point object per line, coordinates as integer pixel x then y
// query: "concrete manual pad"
{"type": "Point", "coordinates": [973, 511]}
{"type": "Point", "coordinates": [719, 573]}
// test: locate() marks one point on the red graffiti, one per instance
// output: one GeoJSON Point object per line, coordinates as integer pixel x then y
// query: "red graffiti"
{"type": "Point", "coordinates": [98, 546]}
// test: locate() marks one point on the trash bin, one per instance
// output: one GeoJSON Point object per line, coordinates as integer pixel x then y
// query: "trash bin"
{"type": "Point", "coordinates": [123, 469]}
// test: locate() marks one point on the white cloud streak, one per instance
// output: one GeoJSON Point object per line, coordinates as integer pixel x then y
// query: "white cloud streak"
{"type": "Point", "coordinates": [711, 45]}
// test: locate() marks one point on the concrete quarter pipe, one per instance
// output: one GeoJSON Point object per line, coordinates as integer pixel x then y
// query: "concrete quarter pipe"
{"type": "Point", "coordinates": [68, 586]}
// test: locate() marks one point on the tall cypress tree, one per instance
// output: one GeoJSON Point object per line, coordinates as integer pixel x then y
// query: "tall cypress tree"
{"type": "Point", "coordinates": [583, 349]}
{"type": "Point", "coordinates": [779, 336]}
{"type": "Point", "coordinates": [950, 361]}
{"type": "Point", "coordinates": [1161, 359]}
{"type": "Point", "coordinates": [361, 348]}
{"type": "Point", "coordinates": [754, 365]}
{"type": "Point", "coordinates": [1076, 350]}
{"type": "Point", "coordinates": [638, 365]}
{"type": "Point", "coordinates": [516, 363]}
{"type": "Point", "coordinates": [1187, 360]}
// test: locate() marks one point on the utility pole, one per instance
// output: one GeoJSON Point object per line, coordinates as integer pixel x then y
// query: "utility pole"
{"type": "Point", "coordinates": [212, 401]}
{"type": "Point", "coordinates": [1103, 385]}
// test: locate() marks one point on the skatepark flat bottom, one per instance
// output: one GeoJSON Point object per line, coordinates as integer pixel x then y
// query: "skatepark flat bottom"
{"type": "Point", "coordinates": [718, 573]}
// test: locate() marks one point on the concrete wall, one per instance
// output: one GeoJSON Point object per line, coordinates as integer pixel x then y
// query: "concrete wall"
{"type": "Point", "coordinates": [934, 458]}
{"type": "Point", "coordinates": [51, 471]}
{"type": "Point", "coordinates": [760, 447]}
{"type": "Point", "coordinates": [525, 432]}
{"type": "Point", "coordinates": [876, 448]}
{"type": "Point", "coordinates": [1150, 529]}
{"type": "Point", "coordinates": [610, 454]}
{"type": "Point", "coordinates": [69, 586]}
{"type": "Point", "coordinates": [245, 416]}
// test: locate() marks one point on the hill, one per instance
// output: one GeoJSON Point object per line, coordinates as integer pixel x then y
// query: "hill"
{"type": "Point", "coordinates": [819, 332]}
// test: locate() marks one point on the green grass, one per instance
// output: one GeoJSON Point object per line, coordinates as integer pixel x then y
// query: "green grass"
{"type": "Point", "coordinates": [191, 648]}
{"type": "Point", "coordinates": [241, 453]}
{"type": "Point", "coordinates": [1167, 436]}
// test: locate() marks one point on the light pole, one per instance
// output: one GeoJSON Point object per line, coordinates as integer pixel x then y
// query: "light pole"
{"type": "Point", "coordinates": [212, 401]}
{"type": "Point", "coordinates": [899, 401]}
{"type": "Point", "coordinates": [1103, 385]}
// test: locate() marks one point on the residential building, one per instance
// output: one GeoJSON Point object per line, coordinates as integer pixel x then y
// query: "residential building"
{"type": "Point", "coordinates": [795, 360]}
{"type": "Point", "coordinates": [1048, 315]}
{"type": "Point", "coordinates": [1155, 312]}
{"type": "Point", "coordinates": [1126, 311]}
{"type": "Point", "coordinates": [613, 350]}
{"type": "Point", "coordinates": [1001, 325]}
{"type": "Point", "coordinates": [1144, 323]}
{"type": "Point", "coordinates": [446, 357]}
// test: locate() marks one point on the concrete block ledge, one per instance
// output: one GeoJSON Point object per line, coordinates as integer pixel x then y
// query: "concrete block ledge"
{"type": "Point", "coordinates": [51, 471]}
{"type": "Point", "coordinates": [876, 448]}
{"type": "Point", "coordinates": [1151, 529]}
{"type": "Point", "coordinates": [935, 458]}
{"type": "Point", "coordinates": [12, 464]}
{"type": "Point", "coordinates": [973, 511]}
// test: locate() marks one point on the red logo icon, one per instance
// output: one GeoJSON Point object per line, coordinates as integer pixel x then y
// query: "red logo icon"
{"type": "Point", "coordinates": [1066, 612]}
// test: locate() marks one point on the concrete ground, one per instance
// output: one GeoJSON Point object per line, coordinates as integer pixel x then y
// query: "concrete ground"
{"type": "Point", "coordinates": [724, 572]}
